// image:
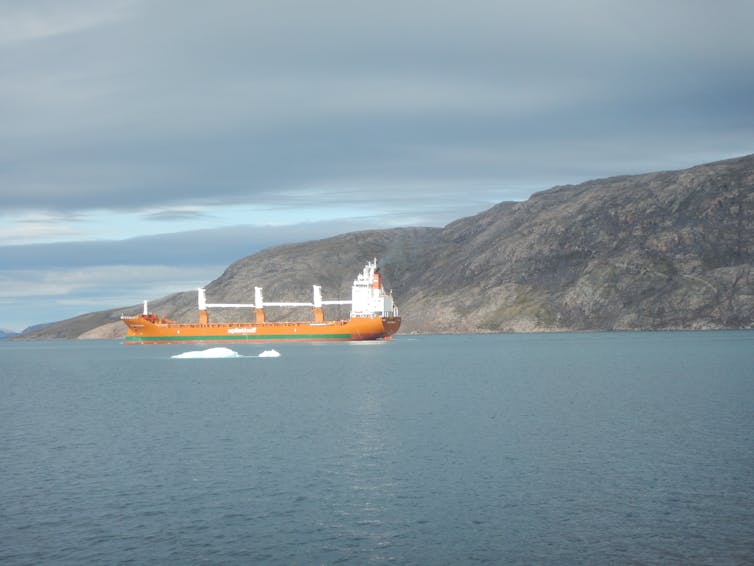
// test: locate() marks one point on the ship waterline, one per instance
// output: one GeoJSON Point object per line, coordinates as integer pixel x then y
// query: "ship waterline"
{"type": "Point", "coordinates": [373, 316]}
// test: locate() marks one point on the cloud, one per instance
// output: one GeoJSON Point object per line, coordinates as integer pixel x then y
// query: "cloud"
{"type": "Point", "coordinates": [75, 286]}
{"type": "Point", "coordinates": [34, 296]}
{"type": "Point", "coordinates": [30, 21]}
{"type": "Point", "coordinates": [40, 228]}
{"type": "Point", "coordinates": [242, 101]}
{"type": "Point", "coordinates": [216, 247]}
{"type": "Point", "coordinates": [177, 214]}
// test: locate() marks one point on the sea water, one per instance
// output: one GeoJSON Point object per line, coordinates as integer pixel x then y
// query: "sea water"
{"type": "Point", "coordinates": [506, 449]}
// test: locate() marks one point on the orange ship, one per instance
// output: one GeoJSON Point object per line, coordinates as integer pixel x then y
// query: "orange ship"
{"type": "Point", "coordinates": [373, 316]}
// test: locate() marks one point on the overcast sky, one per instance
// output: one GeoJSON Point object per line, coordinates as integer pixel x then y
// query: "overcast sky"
{"type": "Point", "coordinates": [145, 145]}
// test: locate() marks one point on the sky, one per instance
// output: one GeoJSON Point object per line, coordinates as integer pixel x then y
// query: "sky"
{"type": "Point", "coordinates": [147, 144]}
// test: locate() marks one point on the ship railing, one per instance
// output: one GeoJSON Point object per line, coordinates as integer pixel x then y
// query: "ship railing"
{"type": "Point", "coordinates": [374, 314]}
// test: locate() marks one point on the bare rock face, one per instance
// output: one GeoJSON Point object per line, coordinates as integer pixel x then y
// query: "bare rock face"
{"type": "Point", "coordinates": [663, 250]}
{"type": "Point", "coordinates": [109, 331]}
{"type": "Point", "coordinates": [668, 250]}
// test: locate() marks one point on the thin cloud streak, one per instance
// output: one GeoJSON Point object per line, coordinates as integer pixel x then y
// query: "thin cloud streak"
{"type": "Point", "coordinates": [218, 246]}
{"type": "Point", "coordinates": [70, 285]}
{"type": "Point", "coordinates": [52, 294]}
{"type": "Point", "coordinates": [32, 21]}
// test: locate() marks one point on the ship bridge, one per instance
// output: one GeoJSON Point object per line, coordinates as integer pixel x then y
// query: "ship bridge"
{"type": "Point", "coordinates": [368, 298]}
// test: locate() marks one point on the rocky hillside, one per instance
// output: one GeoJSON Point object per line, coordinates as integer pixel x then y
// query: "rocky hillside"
{"type": "Point", "coordinates": [663, 250]}
{"type": "Point", "coordinates": [666, 250]}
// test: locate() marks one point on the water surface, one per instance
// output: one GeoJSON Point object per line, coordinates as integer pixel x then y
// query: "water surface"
{"type": "Point", "coordinates": [516, 449]}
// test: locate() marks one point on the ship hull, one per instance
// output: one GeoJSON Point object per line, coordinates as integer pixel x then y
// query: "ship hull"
{"type": "Point", "coordinates": [143, 331]}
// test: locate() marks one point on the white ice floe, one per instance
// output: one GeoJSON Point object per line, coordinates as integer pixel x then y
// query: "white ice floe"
{"type": "Point", "coordinates": [270, 354]}
{"type": "Point", "coordinates": [210, 353]}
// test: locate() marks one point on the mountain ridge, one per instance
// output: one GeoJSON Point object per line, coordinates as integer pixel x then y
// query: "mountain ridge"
{"type": "Point", "coordinates": [662, 250]}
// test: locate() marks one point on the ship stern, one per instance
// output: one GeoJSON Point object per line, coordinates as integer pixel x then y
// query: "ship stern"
{"type": "Point", "coordinates": [391, 324]}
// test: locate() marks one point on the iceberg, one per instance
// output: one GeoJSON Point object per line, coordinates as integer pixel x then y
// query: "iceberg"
{"type": "Point", "coordinates": [210, 353]}
{"type": "Point", "coordinates": [270, 354]}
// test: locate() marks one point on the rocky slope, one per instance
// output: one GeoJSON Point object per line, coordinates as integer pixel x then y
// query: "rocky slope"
{"type": "Point", "coordinates": [663, 250]}
{"type": "Point", "coordinates": [668, 250]}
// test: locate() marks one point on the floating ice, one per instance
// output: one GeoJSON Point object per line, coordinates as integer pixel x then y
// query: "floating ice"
{"type": "Point", "coordinates": [270, 354]}
{"type": "Point", "coordinates": [210, 353]}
